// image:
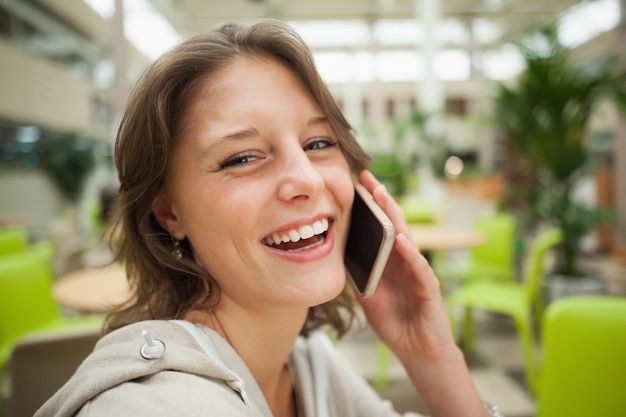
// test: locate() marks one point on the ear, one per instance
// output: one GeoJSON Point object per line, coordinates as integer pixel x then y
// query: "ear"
{"type": "Point", "coordinates": [166, 216]}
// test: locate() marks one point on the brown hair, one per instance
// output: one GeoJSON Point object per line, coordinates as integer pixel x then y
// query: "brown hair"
{"type": "Point", "coordinates": [167, 288]}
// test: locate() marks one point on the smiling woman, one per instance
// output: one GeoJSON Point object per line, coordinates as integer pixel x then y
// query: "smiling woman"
{"type": "Point", "coordinates": [237, 173]}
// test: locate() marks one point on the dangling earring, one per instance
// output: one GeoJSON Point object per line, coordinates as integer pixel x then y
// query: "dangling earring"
{"type": "Point", "coordinates": [177, 252]}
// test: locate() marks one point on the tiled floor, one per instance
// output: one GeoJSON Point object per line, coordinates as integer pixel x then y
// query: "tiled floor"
{"type": "Point", "coordinates": [496, 365]}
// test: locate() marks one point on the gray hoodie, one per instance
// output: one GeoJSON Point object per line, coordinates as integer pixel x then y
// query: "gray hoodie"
{"type": "Point", "coordinates": [180, 368]}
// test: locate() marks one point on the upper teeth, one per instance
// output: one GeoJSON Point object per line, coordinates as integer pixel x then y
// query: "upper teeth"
{"type": "Point", "coordinates": [303, 232]}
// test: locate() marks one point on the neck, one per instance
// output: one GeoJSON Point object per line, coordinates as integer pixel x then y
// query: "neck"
{"type": "Point", "coordinates": [264, 342]}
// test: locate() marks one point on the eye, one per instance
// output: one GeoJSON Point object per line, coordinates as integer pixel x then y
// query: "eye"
{"type": "Point", "coordinates": [319, 143]}
{"type": "Point", "coordinates": [238, 160]}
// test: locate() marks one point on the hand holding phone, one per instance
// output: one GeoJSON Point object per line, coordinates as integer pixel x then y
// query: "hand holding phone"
{"type": "Point", "coordinates": [369, 243]}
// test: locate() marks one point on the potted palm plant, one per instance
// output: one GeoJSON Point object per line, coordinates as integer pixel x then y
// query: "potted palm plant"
{"type": "Point", "coordinates": [545, 116]}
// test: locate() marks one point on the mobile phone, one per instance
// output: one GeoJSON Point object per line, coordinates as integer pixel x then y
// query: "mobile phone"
{"type": "Point", "coordinates": [370, 240]}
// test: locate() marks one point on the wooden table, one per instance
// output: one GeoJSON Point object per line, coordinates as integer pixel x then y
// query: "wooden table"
{"type": "Point", "coordinates": [95, 290]}
{"type": "Point", "coordinates": [431, 238]}
{"type": "Point", "coordinates": [439, 237]}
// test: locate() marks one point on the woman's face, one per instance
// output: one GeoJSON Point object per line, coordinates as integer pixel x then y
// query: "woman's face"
{"type": "Point", "coordinates": [259, 185]}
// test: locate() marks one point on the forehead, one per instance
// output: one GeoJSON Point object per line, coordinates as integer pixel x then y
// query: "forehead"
{"type": "Point", "coordinates": [248, 70]}
{"type": "Point", "coordinates": [246, 88]}
{"type": "Point", "coordinates": [248, 82]}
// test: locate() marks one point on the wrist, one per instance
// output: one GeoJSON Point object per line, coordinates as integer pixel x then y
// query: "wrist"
{"type": "Point", "coordinates": [446, 386]}
{"type": "Point", "coordinates": [492, 409]}
{"type": "Point", "coordinates": [433, 357]}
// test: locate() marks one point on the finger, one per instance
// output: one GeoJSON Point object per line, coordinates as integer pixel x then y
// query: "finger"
{"type": "Point", "coordinates": [391, 208]}
{"type": "Point", "coordinates": [368, 180]}
{"type": "Point", "coordinates": [388, 204]}
{"type": "Point", "coordinates": [383, 198]}
{"type": "Point", "coordinates": [424, 276]}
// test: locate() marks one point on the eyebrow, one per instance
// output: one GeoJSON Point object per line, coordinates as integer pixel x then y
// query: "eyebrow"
{"type": "Point", "coordinates": [236, 135]}
{"type": "Point", "coordinates": [251, 132]}
{"type": "Point", "coordinates": [318, 121]}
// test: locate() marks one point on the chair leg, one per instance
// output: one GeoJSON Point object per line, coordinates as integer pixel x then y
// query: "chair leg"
{"type": "Point", "coordinates": [452, 318]}
{"type": "Point", "coordinates": [4, 394]}
{"type": "Point", "coordinates": [539, 305]}
{"type": "Point", "coordinates": [383, 358]}
{"type": "Point", "coordinates": [524, 331]}
{"type": "Point", "coordinates": [468, 333]}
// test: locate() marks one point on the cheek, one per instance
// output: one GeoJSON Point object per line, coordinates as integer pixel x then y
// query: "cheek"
{"type": "Point", "coordinates": [211, 238]}
{"type": "Point", "coordinates": [344, 188]}
{"type": "Point", "coordinates": [198, 213]}
{"type": "Point", "coordinates": [214, 217]}
{"type": "Point", "coordinates": [210, 221]}
{"type": "Point", "coordinates": [344, 196]}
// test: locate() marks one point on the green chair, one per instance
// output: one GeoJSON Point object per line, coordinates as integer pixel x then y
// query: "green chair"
{"type": "Point", "coordinates": [13, 240]}
{"type": "Point", "coordinates": [418, 211]}
{"type": "Point", "coordinates": [514, 299]}
{"type": "Point", "coordinates": [583, 370]}
{"type": "Point", "coordinates": [492, 260]}
{"type": "Point", "coordinates": [26, 302]}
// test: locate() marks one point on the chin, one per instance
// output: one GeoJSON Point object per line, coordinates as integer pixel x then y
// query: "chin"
{"type": "Point", "coordinates": [330, 292]}
{"type": "Point", "coordinates": [316, 286]}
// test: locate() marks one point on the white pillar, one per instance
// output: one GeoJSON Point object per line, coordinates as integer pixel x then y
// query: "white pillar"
{"type": "Point", "coordinates": [430, 96]}
{"type": "Point", "coordinates": [352, 95]}
{"type": "Point", "coordinates": [376, 108]}
{"type": "Point", "coordinates": [429, 91]}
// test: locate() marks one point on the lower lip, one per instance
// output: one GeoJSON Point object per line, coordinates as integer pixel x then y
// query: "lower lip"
{"type": "Point", "coordinates": [314, 253]}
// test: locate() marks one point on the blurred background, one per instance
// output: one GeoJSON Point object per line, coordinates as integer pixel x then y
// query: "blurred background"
{"type": "Point", "coordinates": [491, 121]}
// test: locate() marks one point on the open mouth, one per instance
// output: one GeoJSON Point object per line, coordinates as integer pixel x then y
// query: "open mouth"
{"type": "Point", "coordinates": [303, 238]}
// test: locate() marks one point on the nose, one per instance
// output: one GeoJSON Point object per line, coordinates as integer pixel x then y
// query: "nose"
{"type": "Point", "coordinates": [300, 178]}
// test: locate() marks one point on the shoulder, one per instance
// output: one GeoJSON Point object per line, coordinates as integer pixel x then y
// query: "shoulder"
{"type": "Point", "coordinates": [133, 332]}
{"type": "Point", "coordinates": [117, 369]}
{"type": "Point", "coordinates": [167, 393]}
{"type": "Point", "coordinates": [122, 353]}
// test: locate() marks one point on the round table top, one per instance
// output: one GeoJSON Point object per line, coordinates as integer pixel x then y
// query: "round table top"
{"type": "Point", "coordinates": [437, 237]}
{"type": "Point", "coordinates": [96, 289]}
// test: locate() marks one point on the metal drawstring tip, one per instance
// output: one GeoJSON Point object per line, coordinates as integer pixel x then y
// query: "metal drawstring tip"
{"type": "Point", "coordinates": [153, 348]}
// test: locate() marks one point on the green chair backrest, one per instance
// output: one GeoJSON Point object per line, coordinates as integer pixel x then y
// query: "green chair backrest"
{"type": "Point", "coordinates": [26, 301]}
{"type": "Point", "coordinates": [584, 358]}
{"type": "Point", "coordinates": [534, 269]}
{"type": "Point", "coordinates": [498, 249]}
{"type": "Point", "coordinates": [13, 240]}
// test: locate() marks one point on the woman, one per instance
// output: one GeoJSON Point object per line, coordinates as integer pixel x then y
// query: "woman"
{"type": "Point", "coordinates": [236, 182]}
